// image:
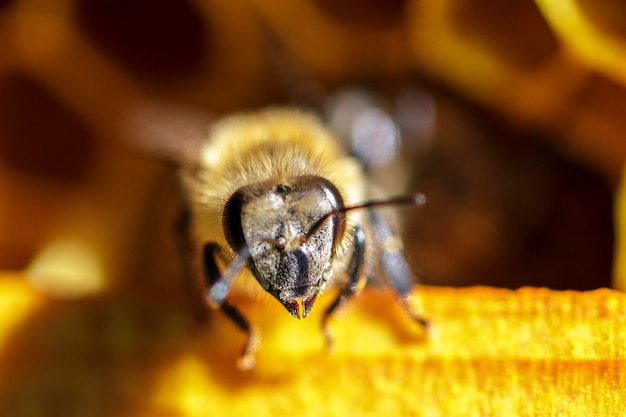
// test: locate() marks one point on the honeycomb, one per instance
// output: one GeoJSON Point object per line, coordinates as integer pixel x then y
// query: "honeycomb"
{"type": "Point", "coordinates": [81, 215]}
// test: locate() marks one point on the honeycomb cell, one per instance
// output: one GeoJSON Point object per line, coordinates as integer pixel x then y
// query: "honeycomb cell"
{"type": "Point", "coordinates": [6, 4]}
{"type": "Point", "coordinates": [150, 38]}
{"type": "Point", "coordinates": [375, 13]}
{"type": "Point", "coordinates": [608, 15]}
{"type": "Point", "coordinates": [38, 135]}
{"type": "Point", "coordinates": [515, 31]}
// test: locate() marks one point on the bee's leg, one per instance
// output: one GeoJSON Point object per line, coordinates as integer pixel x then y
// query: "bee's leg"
{"type": "Point", "coordinates": [397, 272]}
{"type": "Point", "coordinates": [247, 359]}
{"type": "Point", "coordinates": [211, 275]}
{"type": "Point", "coordinates": [356, 280]}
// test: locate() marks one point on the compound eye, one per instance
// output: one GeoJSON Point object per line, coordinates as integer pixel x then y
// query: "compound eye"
{"type": "Point", "coordinates": [233, 230]}
{"type": "Point", "coordinates": [337, 204]}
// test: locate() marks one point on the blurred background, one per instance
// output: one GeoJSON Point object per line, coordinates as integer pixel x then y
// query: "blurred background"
{"type": "Point", "coordinates": [510, 119]}
{"type": "Point", "coordinates": [509, 116]}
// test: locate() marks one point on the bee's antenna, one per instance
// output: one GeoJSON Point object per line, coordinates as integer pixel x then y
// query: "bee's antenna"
{"type": "Point", "coordinates": [418, 199]}
{"type": "Point", "coordinates": [219, 290]}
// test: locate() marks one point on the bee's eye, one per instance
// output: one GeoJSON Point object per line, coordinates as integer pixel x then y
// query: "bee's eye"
{"type": "Point", "coordinates": [233, 229]}
{"type": "Point", "coordinates": [336, 207]}
{"type": "Point", "coordinates": [282, 188]}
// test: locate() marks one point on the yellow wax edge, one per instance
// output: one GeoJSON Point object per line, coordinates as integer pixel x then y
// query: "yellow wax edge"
{"type": "Point", "coordinates": [590, 42]}
{"type": "Point", "coordinates": [619, 270]}
{"type": "Point", "coordinates": [489, 352]}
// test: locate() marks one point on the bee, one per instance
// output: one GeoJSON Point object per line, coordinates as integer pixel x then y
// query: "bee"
{"type": "Point", "coordinates": [273, 198]}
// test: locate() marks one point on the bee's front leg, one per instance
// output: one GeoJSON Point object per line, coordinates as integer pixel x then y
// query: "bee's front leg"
{"type": "Point", "coordinates": [397, 272]}
{"type": "Point", "coordinates": [356, 280]}
{"type": "Point", "coordinates": [212, 275]}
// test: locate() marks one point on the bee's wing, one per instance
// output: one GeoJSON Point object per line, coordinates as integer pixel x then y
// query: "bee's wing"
{"type": "Point", "coordinates": [388, 135]}
{"type": "Point", "coordinates": [173, 134]}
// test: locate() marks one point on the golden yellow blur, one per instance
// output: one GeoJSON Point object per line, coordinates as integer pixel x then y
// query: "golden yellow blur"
{"type": "Point", "coordinates": [17, 301]}
{"type": "Point", "coordinates": [67, 268]}
{"type": "Point", "coordinates": [530, 352]}
{"type": "Point", "coordinates": [587, 30]}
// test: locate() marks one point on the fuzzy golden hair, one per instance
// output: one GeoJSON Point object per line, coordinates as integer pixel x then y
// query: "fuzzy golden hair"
{"type": "Point", "coordinates": [272, 145]}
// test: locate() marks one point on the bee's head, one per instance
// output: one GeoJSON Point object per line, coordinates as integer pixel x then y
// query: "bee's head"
{"type": "Point", "coordinates": [290, 228]}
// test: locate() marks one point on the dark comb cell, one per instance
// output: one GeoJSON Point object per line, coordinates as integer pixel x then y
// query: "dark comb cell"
{"type": "Point", "coordinates": [4, 4]}
{"type": "Point", "coordinates": [154, 38]}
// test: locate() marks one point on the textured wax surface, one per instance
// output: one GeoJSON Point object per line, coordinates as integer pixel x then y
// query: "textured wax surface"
{"type": "Point", "coordinates": [489, 352]}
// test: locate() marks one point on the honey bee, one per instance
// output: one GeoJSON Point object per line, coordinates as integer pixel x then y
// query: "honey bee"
{"type": "Point", "coordinates": [276, 208]}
